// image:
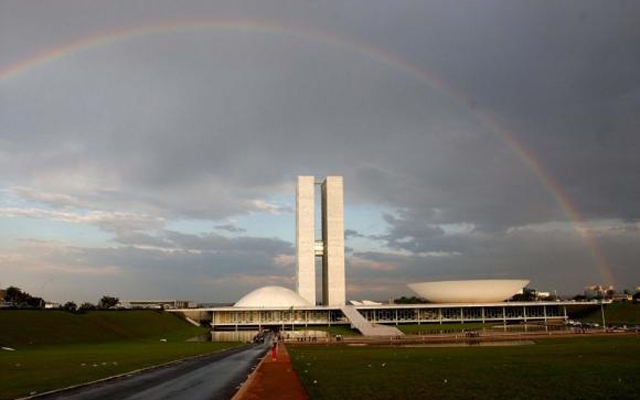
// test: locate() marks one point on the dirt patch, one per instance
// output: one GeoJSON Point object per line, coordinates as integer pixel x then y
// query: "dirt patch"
{"type": "Point", "coordinates": [274, 379]}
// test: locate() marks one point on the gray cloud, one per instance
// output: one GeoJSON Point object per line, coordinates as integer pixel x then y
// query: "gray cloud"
{"type": "Point", "coordinates": [218, 158]}
{"type": "Point", "coordinates": [230, 228]}
{"type": "Point", "coordinates": [176, 265]}
{"type": "Point", "coordinates": [351, 233]}
{"type": "Point", "coordinates": [542, 256]}
{"type": "Point", "coordinates": [114, 222]}
{"type": "Point", "coordinates": [211, 124]}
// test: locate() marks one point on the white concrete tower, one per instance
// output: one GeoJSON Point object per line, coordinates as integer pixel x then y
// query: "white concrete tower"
{"type": "Point", "coordinates": [305, 238]}
{"type": "Point", "coordinates": [330, 247]}
{"type": "Point", "coordinates": [333, 274]}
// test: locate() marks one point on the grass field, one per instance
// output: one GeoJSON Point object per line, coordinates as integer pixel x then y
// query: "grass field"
{"type": "Point", "coordinates": [36, 327]}
{"type": "Point", "coordinates": [442, 328]}
{"type": "Point", "coordinates": [575, 368]}
{"type": "Point", "coordinates": [56, 349]}
{"type": "Point", "coordinates": [42, 368]}
{"type": "Point", "coordinates": [625, 313]}
{"type": "Point", "coordinates": [343, 330]}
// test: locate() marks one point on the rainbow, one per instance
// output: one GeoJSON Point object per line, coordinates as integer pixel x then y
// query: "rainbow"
{"type": "Point", "coordinates": [256, 26]}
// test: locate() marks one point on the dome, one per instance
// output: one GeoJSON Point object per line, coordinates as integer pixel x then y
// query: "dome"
{"type": "Point", "coordinates": [475, 291]}
{"type": "Point", "coordinates": [272, 296]}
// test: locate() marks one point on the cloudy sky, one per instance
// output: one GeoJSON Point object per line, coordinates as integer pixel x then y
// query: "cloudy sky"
{"type": "Point", "coordinates": [149, 149]}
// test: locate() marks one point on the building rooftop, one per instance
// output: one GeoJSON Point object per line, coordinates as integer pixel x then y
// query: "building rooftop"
{"type": "Point", "coordinates": [469, 291]}
{"type": "Point", "coordinates": [272, 296]}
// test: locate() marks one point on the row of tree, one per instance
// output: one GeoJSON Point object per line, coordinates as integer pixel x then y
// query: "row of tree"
{"type": "Point", "coordinates": [18, 298]}
{"type": "Point", "coordinates": [410, 300]}
{"type": "Point", "coordinates": [105, 303]}
{"type": "Point", "coordinates": [21, 299]}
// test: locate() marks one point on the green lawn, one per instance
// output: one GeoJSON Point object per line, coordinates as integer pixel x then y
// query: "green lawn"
{"type": "Point", "coordinates": [343, 330]}
{"type": "Point", "coordinates": [424, 329]}
{"type": "Point", "coordinates": [55, 349]}
{"type": "Point", "coordinates": [42, 368]}
{"type": "Point", "coordinates": [40, 327]}
{"type": "Point", "coordinates": [624, 313]}
{"type": "Point", "coordinates": [575, 368]}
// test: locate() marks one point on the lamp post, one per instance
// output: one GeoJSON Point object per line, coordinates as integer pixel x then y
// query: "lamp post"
{"type": "Point", "coordinates": [604, 323]}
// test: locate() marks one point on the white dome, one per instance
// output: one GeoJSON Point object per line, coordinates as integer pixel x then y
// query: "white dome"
{"type": "Point", "coordinates": [272, 296]}
{"type": "Point", "coordinates": [476, 291]}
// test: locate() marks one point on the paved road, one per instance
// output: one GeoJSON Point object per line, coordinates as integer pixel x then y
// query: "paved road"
{"type": "Point", "coordinates": [211, 377]}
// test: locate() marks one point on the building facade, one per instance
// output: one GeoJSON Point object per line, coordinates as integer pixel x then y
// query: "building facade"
{"type": "Point", "coordinates": [329, 246]}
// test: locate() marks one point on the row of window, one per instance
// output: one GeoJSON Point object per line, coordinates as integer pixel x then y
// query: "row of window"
{"type": "Point", "coordinates": [388, 315]}
{"type": "Point", "coordinates": [463, 313]}
{"type": "Point", "coordinates": [277, 317]}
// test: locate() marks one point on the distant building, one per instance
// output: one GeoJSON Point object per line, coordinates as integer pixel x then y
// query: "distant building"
{"type": "Point", "coordinates": [157, 304]}
{"type": "Point", "coordinates": [598, 292]}
{"type": "Point", "coordinates": [52, 306]}
{"type": "Point", "coordinates": [622, 297]}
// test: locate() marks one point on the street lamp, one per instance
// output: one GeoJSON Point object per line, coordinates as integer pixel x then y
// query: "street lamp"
{"type": "Point", "coordinates": [604, 323]}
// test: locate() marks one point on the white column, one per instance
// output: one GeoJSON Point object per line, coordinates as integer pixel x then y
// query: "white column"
{"type": "Point", "coordinates": [305, 239]}
{"type": "Point", "coordinates": [333, 273]}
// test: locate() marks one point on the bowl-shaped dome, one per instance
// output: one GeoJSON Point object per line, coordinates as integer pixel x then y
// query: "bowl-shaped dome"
{"type": "Point", "coordinates": [475, 291]}
{"type": "Point", "coordinates": [273, 297]}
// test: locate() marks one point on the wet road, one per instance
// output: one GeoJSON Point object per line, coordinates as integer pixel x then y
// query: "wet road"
{"type": "Point", "coordinates": [212, 377]}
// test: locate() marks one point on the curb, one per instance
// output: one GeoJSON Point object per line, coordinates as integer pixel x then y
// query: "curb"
{"type": "Point", "coordinates": [122, 375]}
{"type": "Point", "coordinates": [246, 384]}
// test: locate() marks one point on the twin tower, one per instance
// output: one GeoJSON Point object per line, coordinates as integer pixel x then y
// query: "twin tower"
{"type": "Point", "coordinates": [331, 244]}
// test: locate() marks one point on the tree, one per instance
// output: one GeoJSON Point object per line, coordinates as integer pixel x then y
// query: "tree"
{"type": "Point", "coordinates": [107, 302]}
{"type": "Point", "coordinates": [20, 298]}
{"type": "Point", "coordinates": [35, 302]}
{"type": "Point", "coordinates": [86, 306]}
{"type": "Point", "coordinates": [12, 293]}
{"type": "Point", "coordinates": [409, 300]}
{"type": "Point", "coordinates": [70, 306]}
{"type": "Point", "coordinates": [16, 295]}
{"type": "Point", "coordinates": [526, 295]}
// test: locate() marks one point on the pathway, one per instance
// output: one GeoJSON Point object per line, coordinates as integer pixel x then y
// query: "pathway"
{"type": "Point", "coordinates": [274, 380]}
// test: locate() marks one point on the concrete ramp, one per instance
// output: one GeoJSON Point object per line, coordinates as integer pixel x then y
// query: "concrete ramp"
{"type": "Point", "coordinates": [365, 327]}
